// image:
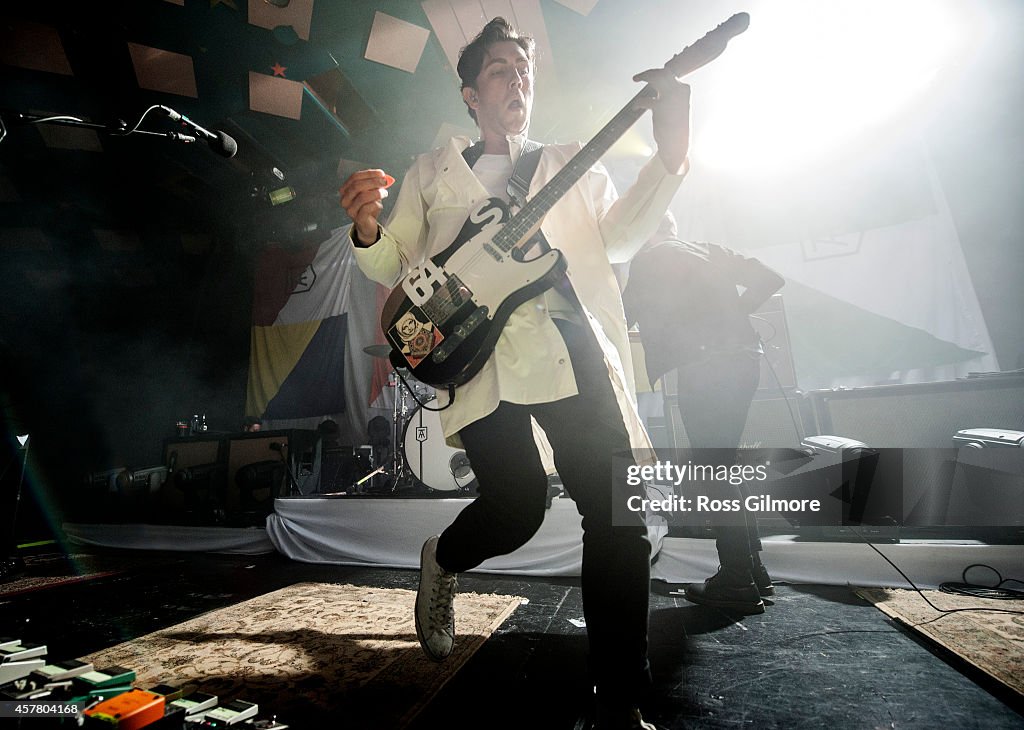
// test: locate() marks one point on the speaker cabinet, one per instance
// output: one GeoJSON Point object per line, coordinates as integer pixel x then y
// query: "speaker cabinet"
{"type": "Point", "coordinates": [217, 458]}
{"type": "Point", "coordinates": [243, 449]}
{"type": "Point", "coordinates": [779, 422]}
{"type": "Point", "coordinates": [185, 454]}
{"type": "Point", "coordinates": [924, 415]}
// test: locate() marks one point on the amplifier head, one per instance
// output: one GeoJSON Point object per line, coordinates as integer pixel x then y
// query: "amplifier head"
{"type": "Point", "coordinates": [983, 438]}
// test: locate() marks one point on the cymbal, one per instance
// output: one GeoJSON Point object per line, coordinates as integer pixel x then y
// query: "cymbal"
{"type": "Point", "coordinates": [383, 351]}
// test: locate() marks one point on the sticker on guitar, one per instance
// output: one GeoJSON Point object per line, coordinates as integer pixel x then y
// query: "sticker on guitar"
{"type": "Point", "coordinates": [415, 335]}
{"type": "Point", "coordinates": [419, 286]}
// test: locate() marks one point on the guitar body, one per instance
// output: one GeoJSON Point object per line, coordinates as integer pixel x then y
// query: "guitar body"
{"type": "Point", "coordinates": [443, 320]}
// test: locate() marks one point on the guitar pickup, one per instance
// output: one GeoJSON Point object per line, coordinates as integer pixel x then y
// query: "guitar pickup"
{"type": "Point", "coordinates": [447, 300]}
{"type": "Point", "coordinates": [458, 335]}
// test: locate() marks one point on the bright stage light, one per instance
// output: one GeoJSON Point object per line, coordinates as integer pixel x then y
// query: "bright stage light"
{"type": "Point", "coordinates": [810, 76]}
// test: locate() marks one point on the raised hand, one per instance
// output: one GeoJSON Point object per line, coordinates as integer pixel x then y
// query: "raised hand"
{"type": "Point", "coordinates": [671, 107]}
{"type": "Point", "coordinates": [362, 198]}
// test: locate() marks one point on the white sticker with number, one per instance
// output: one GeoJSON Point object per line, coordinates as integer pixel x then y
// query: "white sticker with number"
{"type": "Point", "coordinates": [419, 285]}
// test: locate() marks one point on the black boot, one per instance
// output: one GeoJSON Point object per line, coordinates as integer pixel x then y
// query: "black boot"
{"type": "Point", "coordinates": [730, 589]}
{"type": "Point", "coordinates": [762, 580]}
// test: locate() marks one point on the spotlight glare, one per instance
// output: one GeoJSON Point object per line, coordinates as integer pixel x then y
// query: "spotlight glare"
{"type": "Point", "coordinates": [821, 74]}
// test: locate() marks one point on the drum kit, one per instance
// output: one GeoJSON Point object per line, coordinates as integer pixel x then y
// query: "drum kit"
{"type": "Point", "coordinates": [420, 457]}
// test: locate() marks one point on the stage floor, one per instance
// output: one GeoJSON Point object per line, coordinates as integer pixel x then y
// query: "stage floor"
{"type": "Point", "coordinates": [818, 657]}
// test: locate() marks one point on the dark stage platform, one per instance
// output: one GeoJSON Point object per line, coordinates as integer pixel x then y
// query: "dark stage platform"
{"type": "Point", "coordinates": [818, 657]}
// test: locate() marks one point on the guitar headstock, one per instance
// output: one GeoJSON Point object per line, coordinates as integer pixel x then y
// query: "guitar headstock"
{"type": "Point", "coordinates": [709, 47]}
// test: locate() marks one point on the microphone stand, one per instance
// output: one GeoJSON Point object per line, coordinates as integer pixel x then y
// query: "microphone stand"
{"type": "Point", "coordinates": [293, 483]}
{"type": "Point", "coordinates": [118, 128]}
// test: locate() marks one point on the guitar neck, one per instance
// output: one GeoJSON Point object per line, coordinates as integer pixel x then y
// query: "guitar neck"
{"type": "Point", "coordinates": [523, 223]}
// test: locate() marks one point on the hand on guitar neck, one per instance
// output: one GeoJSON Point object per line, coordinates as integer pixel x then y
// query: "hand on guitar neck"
{"type": "Point", "coordinates": [671, 110]}
{"type": "Point", "coordinates": [670, 99]}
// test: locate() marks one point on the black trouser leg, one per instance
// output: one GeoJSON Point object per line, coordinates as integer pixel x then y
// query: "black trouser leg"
{"type": "Point", "coordinates": [511, 487]}
{"type": "Point", "coordinates": [585, 431]}
{"type": "Point", "coordinates": [714, 401]}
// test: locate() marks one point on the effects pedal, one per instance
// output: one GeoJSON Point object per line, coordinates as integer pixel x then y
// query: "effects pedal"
{"type": "Point", "coordinates": [195, 705]}
{"type": "Point", "coordinates": [230, 713]}
{"type": "Point", "coordinates": [61, 671]}
{"type": "Point", "coordinates": [101, 684]}
{"type": "Point", "coordinates": [20, 651]}
{"type": "Point", "coordinates": [17, 670]}
{"type": "Point", "coordinates": [131, 710]}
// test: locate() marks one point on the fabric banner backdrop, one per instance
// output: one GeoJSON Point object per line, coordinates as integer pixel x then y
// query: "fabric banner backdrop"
{"type": "Point", "coordinates": [877, 286]}
{"type": "Point", "coordinates": [313, 312]}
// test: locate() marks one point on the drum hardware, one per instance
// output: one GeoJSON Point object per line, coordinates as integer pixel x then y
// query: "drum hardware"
{"type": "Point", "coordinates": [419, 458]}
{"type": "Point", "coordinates": [382, 351]}
{"type": "Point", "coordinates": [431, 460]}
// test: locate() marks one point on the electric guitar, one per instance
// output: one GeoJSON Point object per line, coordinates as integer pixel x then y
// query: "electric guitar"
{"type": "Point", "coordinates": [444, 318]}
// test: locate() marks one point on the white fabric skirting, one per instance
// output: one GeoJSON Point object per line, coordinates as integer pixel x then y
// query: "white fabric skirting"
{"type": "Point", "coordinates": [389, 532]}
{"type": "Point", "coordinates": [233, 540]}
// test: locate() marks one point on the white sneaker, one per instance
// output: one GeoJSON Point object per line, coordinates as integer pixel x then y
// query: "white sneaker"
{"type": "Point", "coordinates": [435, 613]}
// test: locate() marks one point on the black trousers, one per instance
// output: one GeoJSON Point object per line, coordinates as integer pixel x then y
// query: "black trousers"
{"type": "Point", "coordinates": [585, 432]}
{"type": "Point", "coordinates": [714, 401]}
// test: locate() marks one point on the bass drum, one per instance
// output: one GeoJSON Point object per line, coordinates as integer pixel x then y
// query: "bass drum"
{"type": "Point", "coordinates": [430, 459]}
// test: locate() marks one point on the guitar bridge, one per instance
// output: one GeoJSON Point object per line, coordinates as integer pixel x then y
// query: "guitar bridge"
{"type": "Point", "coordinates": [458, 335]}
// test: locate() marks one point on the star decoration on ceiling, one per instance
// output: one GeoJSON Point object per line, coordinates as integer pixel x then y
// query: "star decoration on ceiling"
{"type": "Point", "coordinates": [279, 70]}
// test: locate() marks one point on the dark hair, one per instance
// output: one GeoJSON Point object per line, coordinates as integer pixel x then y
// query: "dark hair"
{"type": "Point", "coordinates": [471, 58]}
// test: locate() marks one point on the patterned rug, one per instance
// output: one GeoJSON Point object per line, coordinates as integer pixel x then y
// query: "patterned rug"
{"type": "Point", "coordinates": [314, 654]}
{"type": "Point", "coordinates": [992, 642]}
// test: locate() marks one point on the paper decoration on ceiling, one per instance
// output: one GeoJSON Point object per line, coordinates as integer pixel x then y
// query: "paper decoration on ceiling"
{"type": "Point", "coordinates": [34, 46]}
{"type": "Point", "coordinates": [298, 14]}
{"type": "Point", "coordinates": [338, 98]}
{"type": "Point", "coordinates": [176, 2]}
{"type": "Point", "coordinates": [456, 23]}
{"type": "Point", "coordinates": [164, 71]}
{"type": "Point", "coordinates": [228, 3]}
{"type": "Point", "coordinates": [279, 70]}
{"type": "Point", "coordinates": [272, 95]}
{"type": "Point", "coordinates": [583, 7]}
{"type": "Point", "coordinates": [396, 43]}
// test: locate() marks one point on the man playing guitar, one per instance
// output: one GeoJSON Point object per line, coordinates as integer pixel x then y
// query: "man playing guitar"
{"type": "Point", "coordinates": [562, 357]}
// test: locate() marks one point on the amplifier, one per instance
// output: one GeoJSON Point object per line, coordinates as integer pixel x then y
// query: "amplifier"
{"type": "Point", "coordinates": [922, 415]}
{"type": "Point", "coordinates": [984, 438]}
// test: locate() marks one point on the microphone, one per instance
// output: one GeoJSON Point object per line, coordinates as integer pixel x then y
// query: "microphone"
{"type": "Point", "coordinates": [219, 141]}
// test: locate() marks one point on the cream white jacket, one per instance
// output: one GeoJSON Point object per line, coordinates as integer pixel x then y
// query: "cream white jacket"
{"type": "Point", "coordinates": [590, 225]}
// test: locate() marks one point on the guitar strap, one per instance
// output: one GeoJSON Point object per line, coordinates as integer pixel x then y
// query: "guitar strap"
{"type": "Point", "coordinates": [518, 184]}
{"type": "Point", "coordinates": [522, 173]}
